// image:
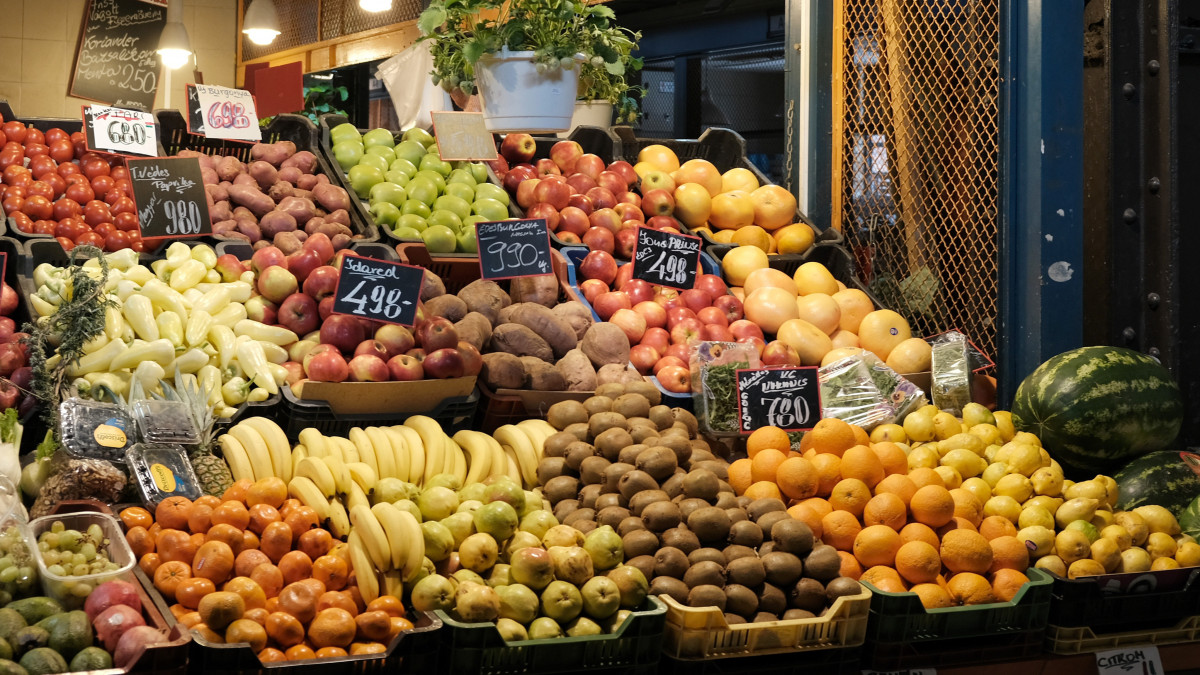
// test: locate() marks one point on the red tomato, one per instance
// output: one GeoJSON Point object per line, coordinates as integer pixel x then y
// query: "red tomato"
{"type": "Point", "coordinates": [123, 186]}
{"type": "Point", "coordinates": [38, 207]}
{"type": "Point", "coordinates": [22, 179]}
{"type": "Point", "coordinates": [81, 191]}
{"type": "Point", "coordinates": [42, 188]}
{"type": "Point", "coordinates": [80, 149]}
{"type": "Point", "coordinates": [62, 150]}
{"type": "Point", "coordinates": [42, 165]}
{"type": "Point", "coordinates": [13, 204]}
{"type": "Point", "coordinates": [116, 240]}
{"type": "Point", "coordinates": [119, 173]}
{"type": "Point", "coordinates": [45, 227]}
{"type": "Point", "coordinates": [22, 222]}
{"type": "Point", "coordinates": [101, 184]}
{"type": "Point", "coordinates": [96, 212]}
{"type": "Point", "coordinates": [104, 229]}
{"type": "Point", "coordinates": [55, 134]}
{"type": "Point", "coordinates": [138, 245]}
{"type": "Point", "coordinates": [66, 208]}
{"type": "Point", "coordinates": [126, 222]}
{"type": "Point", "coordinates": [8, 159]}
{"type": "Point", "coordinates": [66, 242]}
{"type": "Point", "coordinates": [15, 131]}
{"type": "Point", "coordinates": [13, 171]}
{"type": "Point", "coordinates": [35, 149]}
{"type": "Point", "coordinates": [69, 169]}
{"type": "Point", "coordinates": [35, 136]}
{"type": "Point", "coordinates": [16, 191]}
{"type": "Point", "coordinates": [70, 227]}
{"type": "Point", "coordinates": [3, 138]}
{"type": "Point", "coordinates": [93, 168]}
{"type": "Point", "coordinates": [112, 196]}
{"type": "Point", "coordinates": [13, 146]}
{"type": "Point", "coordinates": [123, 205]}
{"type": "Point", "coordinates": [90, 239]}
{"type": "Point", "coordinates": [57, 183]}
{"type": "Point", "coordinates": [78, 137]}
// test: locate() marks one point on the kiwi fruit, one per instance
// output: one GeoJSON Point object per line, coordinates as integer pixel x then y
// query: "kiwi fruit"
{"type": "Point", "coordinates": [565, 508]}
{"type": "Point", "coordinates": [808, 594]}
{"type": "Point", "coordinates": [698, 456]}
{"type": "Point", "coordinates": [631, 524]}
{"type": "Point", "coordinates": [688, 505]}
{"type": "Point", "coordinates": [710, 524]}
{"type": "Point", "coordinates": [603, 421]}
{"type": "Point", "coordinates": [632, 405]}
{"type": "Point", "coordinates": [641, 500]}
{"type": "Point", "coordinates": [673, 486]}
{"type": "Point", "coordinates": [556, 445]}
{"type": "Point", "coordinates": [607, 499]}
{"type": "Point", "coordinates": [717, 466]}
{"type": "Point", "coordinates": [565, 413]}
{"type": "Point", "coordinates": [661, 516]}
{"type": "Point", "coordinates": [610, 389]}
{"type": "Point", "coordinates": [768, 520]}
{"type": "Point", "coordinates": [597, 404]}
{"type": "Point", "coordinates": [644, 563]}
{"type": "Point", "coordinates": [638, 421]}
{"type": "Point", "coordinates": [642, 432]}
{"type": "Point", "coordinates": [658, 461]}
{"type": "Point", "coordinates": [735, 516]}
{"type": "Point", "coordinates": [771, 599]}
{"type": "Point", "coordinates": [707, 595]}
{"type": "Point", "coordinates": [612, 516]}
{"type": "Point", "coordinates": [767, 547]}
{"type": "Point", "coordinates": [551, 467]}
{"type": "Point", "coordinates": [672, 587]}
{"type": "Point", "coordinates": [757, 508]}
{"type": "Point", "coordinates": [577, 452]}
{"type": "Point", "coordinates": [740, 600]}
{"type": "Point", "coordinates": [728, 500]}
{"type": "Point", "coordinates": [792, 536]}
{"type": "Point", "coordinates": [747, 571]}
{"type": "Point", "coordinates": [579, 515]}
{"type": "Point", "coordinates": [735, 551]}
{"type": "Point", "coordinates": [689, 420]}
{"type": "Point", "coordinates": [798, 614]}
{"type": "Point", "coordinates": [701, 554]}
{"type": "Point", "coordinates": [662, 417]}
{"type": "Point", "coordinates": [744, 532]}
{"type": "Point", "coordinates": [700, 444]}
{"type": "Point", "coordinates": [705, 573]}
{"type": "Point", "coordinates": [560, 488]}
{"type": "Point", "coordinates": [634, 482]}
{"type": "Point", "coordinates": [726, 487]}
{"type": "Point", "coordinates": [610, 442]}
{"type": "Point", "coordinates": [639, 542]}
{"type": "Point", "coordinates": [681, 538]}
{"type": "Point", "coordinates": [647, 390]}
{"type": "Point", "coordinates": [745, 502]}
{"type": "Point", "coordinates": [579, 430]}
{"type": "Point", "coordinates": [733, 619]}
{"type": "Point", "coordinates": [629, 453]}
{"type": "Point", "coordinates": [591, 470]}
{"type": "Point", "coordinates": [841, 586]}
{"type": "Point", "coordinates": [679, 445]}
{"type": "Point", "coordinates": [680, 427]}
{"type": "Point", "coordinates": [823, 563]}
{"type": "Point", "coordinates": [584, 526]}
{"type": "Point", "coordinates": [783, 569]}
{"type": "Point", "coordinates": [588, 495]}
{"type": "Point", "coordinates": [701, 484]}
{"type": "Point", "coordinates": [670, 562]}
{"type": "Point", "coordinates": [613, 474]}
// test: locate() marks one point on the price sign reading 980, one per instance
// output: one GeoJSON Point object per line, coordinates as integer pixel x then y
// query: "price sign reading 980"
{"type": "Point", "coordinates": [125, 132]}
{"type": "Point", "coordinates": [378, 289]}
{"type": "Point", "coordinates": [513, 248]}
{"type": "Point", "coordinates": [169, 194]}
{"type": "Point", "coordinates": [788, 398]}
{"type": "Point", "coordinates": [666, 258]}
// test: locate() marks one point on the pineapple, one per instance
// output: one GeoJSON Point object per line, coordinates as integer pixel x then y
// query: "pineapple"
{"type": "Point", "coordinates": [212, 471]}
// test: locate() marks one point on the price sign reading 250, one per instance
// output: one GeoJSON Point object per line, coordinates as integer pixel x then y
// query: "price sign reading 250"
{"type": "Point", "coordinates": [788, 398]}
{"type": "Point", "coordinates": [378, 289]}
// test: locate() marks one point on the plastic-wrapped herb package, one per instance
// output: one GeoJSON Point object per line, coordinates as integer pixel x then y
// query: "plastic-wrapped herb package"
{"type": "Point", "coordinates": [162, 471]}
{"type": "Point", "coordinates": [714, 367]}
{"type": "Point", "coordinates": [165, 422]}
{"type": "Point", "coordinates": [905, 396]}
{"type": "Point", "coordinates": [862, 390]}
{"type": "Point", "coordinates": [92, 430]}
{"type": "Point", "coordinates": [951, 381]}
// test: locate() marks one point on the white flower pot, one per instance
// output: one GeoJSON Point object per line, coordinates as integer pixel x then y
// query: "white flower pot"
{"type": "Point", "coordinates": [596, 113]}
{"type": "Point", "coordinates": [518, 99]}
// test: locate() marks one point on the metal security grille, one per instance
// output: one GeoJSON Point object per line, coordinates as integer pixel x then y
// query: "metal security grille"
{"type": "Point", "coordinates": [345, 17]}
{"type": "Point", "coordinates": [303, 22]}
{"type": "Point", "coordinates": [743, 90]}
{"type": "Point", "coordinates": [916, 126]}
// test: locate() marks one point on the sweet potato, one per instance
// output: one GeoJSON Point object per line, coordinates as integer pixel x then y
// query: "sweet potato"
{"type": "Point", "coordinates": [224, 226]}
{"type": "Point", "coordinates": [300, 209]}
{"type": "Point", "coordinates": [473, 328]}
{"type": "Point", "coordinates": [303, 160]}
{"type": "Point", "coordinates": [544, 322]}
{"type": "Point", "coordinates": [502, 371]}
{"type": "Point", "coordinates": [261, 243]}
{"type": "Point", "coordinates": [301, 235]}
{"type": "Point", "coordinates": [313, 225]}
{"type": "Point", "coordinates": [281, 190]}
{"type": "Point", "coordinates": [605, 343]}
{"type": "Point", "coordinates": [519, 340]}
{"type": "Point", "coordinates": [218, 192]}
{"type": "Point", "coordinates": [237, 236]}
{"type": "Point", "coordinates": [340, 216]}
{"type": "Point", "coordinates": [331, 197]}
{"type": "Point", "coordinates": [220, 211]}
{"type": "Point", "coordinates": [485, 297]}
{"type": "Point", "coordinates": [273, 153]}
{"type": "Point", "coordinates": [542, 290]}
{"type": "Point", "coordinates": [322, 179]}
{"type": "Point", "coordinates": [576, 368]}
{"type": "Point", "coordinates": [576, 314]}
{"type": "Point", "coordinates": [614, 372]}
{"type": "Point", "coordinates": [229, 167]}
{"type": "Point", "coordinates": [264, 173]}
{"type": "Point", "coordinates": [244, 179]}
{"type": "Point", "coordinates": [251, 229]}
{"type": "Point", "coordinates": [291, 174]}
{"type": "Point", "coordinates": [306, 181]}
{"type": "Point", "coordinates": [209, 176]}
{"type": "Point", "coordinates": [341, 241]}
{"type": "Point", "coordinates": [240, 212]}
{"type": "Point", "coordinates": [288, 242]}
{"type": "Point", "coordinates": [332, 230]}
{"type": "Point", "coordinates": [251, 198]}
{"type": "Point", "coordinates": [276, 222]}
{"type": "Point", "coordinates": [449, 306]}
{"type": "Point", "coordinates": [542, 376]}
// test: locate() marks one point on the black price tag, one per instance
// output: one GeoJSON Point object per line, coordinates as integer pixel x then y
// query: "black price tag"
{"type": "Point", "coordinates": [788, 398]}
{"type": "Point", "coordinates": [513, 248]}
{"type": "Point", "coordinates": [169, 194]}
{"type": "Point", "coordinates": [378, 289]}
{"type": "Point", "coordinates": [120, 131]}
{"type": "Point", "coordinates": [195, 115]}
{"type": "Point", "coordinates": [666, 258]}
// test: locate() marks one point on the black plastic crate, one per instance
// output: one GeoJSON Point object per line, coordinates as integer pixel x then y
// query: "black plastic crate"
{"type": "Point", "coordinates": [816, 662]}
{"type": "Point", "coordinates": [1086, 602]}
{"type": "Point", "coordinates": [42, 124]}
{"type": "Point", "coordinates": [295, 415]}
{"type": "Point", "coordinates": [991, 649]}
{"type": "Point", "coordinates": [787, 263]}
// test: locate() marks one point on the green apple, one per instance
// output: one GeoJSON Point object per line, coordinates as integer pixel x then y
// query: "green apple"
{"type": "Point", "coordinates": [406, 233]}
{"type": "Point", "coordinates": [374, 160]}
{"type": "Point", "coordinates": [364, 177]}
{"type": "Point", "coordinates": [344, 131]}
{"type": "Point", "coordinates": [405, 166]}
{"type": "Point", "coordinates": [432, 161]}
{"type": "Point", "coordinates": [410, 150]}
{"type": "Point", "coordinates": [422, 189]}
{"type": "Point", "coordinates": [459, 206]}
{"type": "Point", "coordinates": [412, 221]}
{"type": "Point", "coordinates": [385, 213]}
{"type": "Point", "coordinates": [490, 209]}
{"type": "Point", "coordinates": [439, 239]}
{"type": "Point", "coordinates": [461, 176]}
{"type": "Point", "coordinates": [446, 218]}
{"type": "Point", "coordinates": [389, 192]}
{"type": "Point", "coordinates": [466, 241]}
{"type": "Point", "coordinates": [348, 153]}
{"type": "Point", "coordinates": [470, 221]}
{"type": "Point", "coordinates": [415, 207]}
{"type": "Point", "coordinates": [461, 191]}
{"type": "Point", "coordinates": [379, 137]}
{"type": "Point", "coordinates": [479, 171]}
{"type": "Point", "coordinates": [436, 178]}
{"type": "Point", "coordinates": [491, 191]}
{"type": "Point", "coordinates": [383, 151]}
{"type": "Point", "coordinates": [396, 176]}
{"type": "Point", "coordinates": [419, 135]}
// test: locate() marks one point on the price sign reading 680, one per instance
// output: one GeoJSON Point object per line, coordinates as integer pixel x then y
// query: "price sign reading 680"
{"type": "Point", "coordinates": [378, 289]}
{"type": "Point", "coordinates": [125, 132]}
{"type": "Point", "coordinates": [666, 258]}
{"type": "Point", "coordinates": [788, 398]}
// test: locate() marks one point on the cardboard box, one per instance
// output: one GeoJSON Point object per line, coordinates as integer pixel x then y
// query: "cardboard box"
{"type": "Point", "coordinates": [376, 398]}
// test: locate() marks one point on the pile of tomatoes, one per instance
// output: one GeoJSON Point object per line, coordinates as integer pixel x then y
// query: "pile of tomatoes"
{"type": "Point", "coordinates": [51, 184]}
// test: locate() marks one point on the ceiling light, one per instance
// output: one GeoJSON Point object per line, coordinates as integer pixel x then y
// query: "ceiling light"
{"type": "Point", "coordinates": [173, 44]}
{"type": "Point", "coordinates": [375, 5]}
{"type": "Point", "coordinates": [261, 23]}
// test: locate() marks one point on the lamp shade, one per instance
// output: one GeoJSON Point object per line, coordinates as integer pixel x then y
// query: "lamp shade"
{"type": "Point", "coordinates": [375, 5]}
{"type": "Point", "coordinates": [261, 23]}
{"type": "Point", "coordinates": [174, 46]}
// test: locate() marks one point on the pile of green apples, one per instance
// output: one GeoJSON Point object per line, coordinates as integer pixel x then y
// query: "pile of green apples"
{"type": "Point", "coordinates": [413, 192]}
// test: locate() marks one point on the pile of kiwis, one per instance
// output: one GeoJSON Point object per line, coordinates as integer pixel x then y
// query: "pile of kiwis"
{"type": "Point", "coordinates": [623, 460]}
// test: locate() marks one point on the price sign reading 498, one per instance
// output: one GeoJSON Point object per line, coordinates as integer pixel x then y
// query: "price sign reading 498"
{"type": "Point", "coordinates": [666, 258]}
{"type": "Point", "coordinates": [788, 398]}
{"type": "Point", "coordinates": [378, 289]}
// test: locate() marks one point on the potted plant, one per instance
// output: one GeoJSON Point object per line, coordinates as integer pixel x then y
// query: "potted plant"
{"type": "Point", "coordinates": [520, 55]}
{"type": "Point", "coordinates": [603, 88]}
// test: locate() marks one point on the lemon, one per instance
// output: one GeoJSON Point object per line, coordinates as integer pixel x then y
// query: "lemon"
{"type": "Point", "coordinates": [978, 487]}
{"type": "Point", "coordinates": [988, 432]}
{"type": "Point", "coordinates": [1135, 525]}
{"type": "Point", "coordinates": [1102, 518]}
{"type": "Point", "coordinates": [1119, 535]}
{"type": "Point", "coordinates": [922, 458]}
{"type": "Point", "coordinates": [1106, 552]}
{"type": "Point", "coordinates": [1051, 504]}
{"type": "Point", "coordinates": [1158, 519]}
{"type": "Point", "coordinates": [1004, 425]}
{"type": "Point", "coordinates": [1007, 507]}
{"type": "Point", "coordinates": [974, 413]}
{"type": "Point", "coordinates": [1164, 564]}
{"type": "Point", "coordinates": [1188, 554]}
{"type": "Point", "coordinates": [1031, 516]}
{"type": "Point", "coordinates": [993, 474]}
{"type": "Point", "coordinates": [888, 432]}
{"type": "Point", "coordinates": [946, 425]}
{"type": "Point", "coordinates": [1161, 545]}
{"type": "Point", "coordinates": [1085, 568]}
{"type": "Point", "coordinates": [990, 454]}
{"type": "Point", "coordinates": [1090, 489]}
{"type": "Point", "coordinates": [950, 477]}
{"type": "Point", "coordinates": [918, 426]}
{"type": "Point", "coordinates": [1134, 559]}
{"type": "Point", "coordinates": [1042, 539]}
{"type": "Point", "coordinates": [1026, 437]}
{"type": "Point", "coordinates": [1014, 485]}
{"type": "Point", "coordinates": [1046, 481]}
{"type": "Point", "coordinates": [1086, 528]}
{"type": "Point", "coordinates": [1075, 509]}
{"type": "Point", "coordinates": [1072, 545]}
{"type": "Point", "coordinates": [965, 462]}
{"type": "Point", "coordinates": [1052, 564]}
{"type": "Point", "coordinates": [1111, 486]}
{"type": "Point", "coordinates": [966, 441]}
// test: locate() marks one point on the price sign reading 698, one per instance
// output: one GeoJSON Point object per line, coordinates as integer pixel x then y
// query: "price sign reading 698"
{"type": "Point", "coordinates": [788, 398]}
{"type": "Point", "coordinates": [378, 289]}
{"type": "Point", "coordinates": [666, 258]}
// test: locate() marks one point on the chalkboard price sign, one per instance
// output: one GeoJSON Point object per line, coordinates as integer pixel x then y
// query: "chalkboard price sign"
{"type": "Point", "coordinates": [124, 132]}
{"type": "Point", "coordinates": [788, 398]}
{"type": "Point", "coordinates": [666, 258]}
{"type": "Point", "coordinates": [117, 61]}
{"type": "Point", "coordinates": [169, 194]}
{"type": "Point", "coordinates": [513, 248]}
{"type": "Point", "coordinates": [378, 289]}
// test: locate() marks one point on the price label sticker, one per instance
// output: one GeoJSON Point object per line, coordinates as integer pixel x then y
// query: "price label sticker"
{"type": "Point", "coordinates": [120, 131]}
{"type": "Point", "coordinates": [666, 258]}
{"type": "Point", "coordinates": [228, 114]}
{"type": "Point", "coordinates": [463, 136]}
{"type": "Point", "coordinates": [1139, 660]}
{"type": "Point", "coordinates": [513, 248]}
{"type": "Point", "coordinates": [169, 195]}
{"type": "Point", "coordinates": [1192, 460]}
{"type": "Point", "coordinates": [378, 289]}
{"type": "Point", "coordinates": [788, 398]}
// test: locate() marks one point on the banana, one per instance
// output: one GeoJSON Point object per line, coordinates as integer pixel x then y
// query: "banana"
{"type": "Point", "coordinates": [514, 469]}
{"type": "Point", "coordinates": [337, 446]}
{"type": "Point", "coordinates": [397, 535]}
{"type": "Point", "coordinates": [459, 467]}
{"type": "Point", "coordinates": [236, 458]}
{"type": "Point", "coordinates": [480, 452]}
{"type": "Point", "coordinates": [261, 460]}
{"type": "Point", "coordinates": [538, 431]}
{"type": "Point", "coordinates": [276, 441]}
{"type": "Point", "coordinates": [317, 444]}
{"type": "Point", "coordinates": [416, 453]}
{"type": "Point", "coordinates": [364, 571]}
{"type": "Point", "coordinates": [298, 453]}
{"type": "Point", "coordinates": [384, 455]}
{"type": "Point", "coordinates": [356, 497]}
{"type": "Point", "coordinates": [363, 475]}
{"type": "Point", "coordinates": [349, 450]}
{"type": "Point", "coordinates": [339, 520]}
{"type": "Point", "coordinates": [435, 456]}
{"type": "Point", "coordinates": [341, 476]}
{"type": "Point", "coordinates": [415, 554]}
{"type": "Point", "coordinates": [310, 495]}
{"type": "Point", "coordinates": [318, 472]}
{"type": "Point", "coordinates": [499, 463]}
{"type": "Point", "coordinates": [399, 450]}
{"type": "Point", "coordinates": [366, 451]}
{"type": "Point", "coordinates": [393, 583]}
{"type": "Point", "coordinates": [373, 537]}
{"type": "Point", "coordinates": [431, 433]}
{"type": "Point", "coordinates": [527, 460]}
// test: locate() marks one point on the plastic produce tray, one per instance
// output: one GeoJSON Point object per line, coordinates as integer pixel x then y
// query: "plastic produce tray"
{"type": "Point", "coordinates": [1081, 639]}
{"type": "Point", "coordinates": [457, 271]}
{"type": "Point", "coordinates": [1086, 604]}
{"type": "Point", "coordinates": [477, 648]}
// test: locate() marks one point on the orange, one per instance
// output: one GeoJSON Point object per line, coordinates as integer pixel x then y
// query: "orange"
{"type": "Point", "coordinates": [136, 516]}
{"type": "Point", "coordinates": [175, 545]}
{"type": "Point", "coordinates": [213, 561]}
{"type": "Point", "coordinates": [209, 501]}
{"type": "Point", "coordinates": [373, 625]}
{"type": "Point", "coordinates": [884, 578]}
{"type": "Point", "coordinates": [252, 594]}
{"type": "Point", "coordinates": [767, 437]}
{"type": "Point", "coordinates": [285, 629]}
{"type": "Point", "coordinates": [739, 475]}
{"type": "Point", "coordinates": [892, 457]}
{"type": "Point", "coordinates": [955, 523]}
{"type": "Point", "coordinates": [330, 653]}
{"type": "Point", "coordinates": [797, 478]}
{"type": "Point", "coordinates": [765, 464]}
{"type": "Point", "coordinates": [262, 515]}
{"type": "Point", "coordinates": [1006, 583]}
{"type": "Point", "coordinates": [237, 491]}
{"type": "Point", "coordinates": [839, 529]}
{"type": "Point", "coordinates": [149, 563]}
{"type": "Point", "coordinates": [271, 490]}
{"type": "Point", "coordinates": [967, 506]}
{"type": "Point", "coordinates": [388, 604]}
{"type": "Point", "coordinates": [139, 540]}
{"type": "Point", "coordinates": [316, 543]}
{"type": "Point", "coordinates": [271, 655]}
{"type": "Point", "coordinates": [923, 476]}
{"type": "Point", "coordinates": [819, 505]}
{"type": "Point", "coordinates": [920, 532]}
{"type": "Point", "coordinates": [269, 579]}
{"type": "Point", "coordinates": [289, 505]}
{"type": "Point", "coordinates": [331, 571]}
{"type": "Point", "coordinates": [832, 435]}
{"type": "Point", "coordinates": [172, 513]}
{"type": "Point", "coordinates": [997, 526]}
{"type": "Point", "coordinates": [190, 619]}
{"type": "Point", "coordinates": [899, 485]}
{"type": "Point", "coordinates": [247, 560]}
{"type": "Point", "coordinates": [861, 437]}
{"type": "Point", "coordinates": [339, 599]}
{"type": "Point", "coordinates": [220, 609]}
{"type": "Point", "coordinates": [968, 588]}
{"type": "Point", "coordinates": [876, 545]}
{"type": "Point", "coordinates": [276, 541]}
{"type": "Point", "coordinates": [333, 627]}
{"type": "Point", "coordinates": [227, 533]}
{"type": "Point", "coordinates": [299, 600]}
{"type": "Point", "coordinates": [850, 494]}
{"type": "Point", "coordinates": [850, 567]}
{"type": "Point", "coordinates": [932, 505]}
{"type": "Point", "coordinates": [862, 463]}
{"type": "Point", "coordinates": [918, 562]}
{"type": "Point", "coordinates": [764, 489]}
{"type": "Point", "coordinates": [359, 648]}
{"type": "Point", "coordinates": [201, 518]}
{"type": "Point", "coordinates": [829, 469]}
{"type": "Point", "coordinates": [169, 575]}
{"type": "Point", "coordinates": [933, 596]}
{"type": "Point", "coordinates": [300, 652]}
{"type": "Point", "coordinates": [178, 611]}
{"type": "Point", "coordinates": [245, 630]}
{"type": "Point", "coordinates": [258, 615]}
{"type": "Point", "coordinates": [885, 509]}
{"type": "Point", "coordinates": [301, 520]}
{"type": "Point", "coordinates": [231, 513]}
{"type": "Point", "coordinates": [189, 592]}
{"type": "Point", "coordinates": [1008, 552]}
{"type": "Point", "coordinates": [966, 551]}
{"type": "Point", "coordinates": [202, 630]}
{"type": "Point", "coordinates": [399, 624]}
{"type": "Point", "coordinates": [249, 540]}
{"type": "Point", "coordinates": [808, 516]}
{"type": "Point", "coordinates": [296, 566]}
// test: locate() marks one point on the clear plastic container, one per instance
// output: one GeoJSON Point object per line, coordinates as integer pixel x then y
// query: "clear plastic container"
{"type": "Point", "coordinates": [72, 591]}
{"type": "Point", "coordinates": [92, 430]}
{"type": "Point", "coordinates": [162, 471]}
{"type": "Point", "coordinates": [165, 422]}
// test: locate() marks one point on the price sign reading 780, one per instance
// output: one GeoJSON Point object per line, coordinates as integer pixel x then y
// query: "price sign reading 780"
{"type": "Point", "coordinates": [378, 289]}
{"type": "Point", "coordinates": [788, 398]}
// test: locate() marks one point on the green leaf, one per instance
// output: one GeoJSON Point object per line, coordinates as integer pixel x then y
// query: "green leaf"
{"type": "Point", "coordinates": [603, 11]}
{"type": "Point", "coordinates": [431, 19]}
{"type": "Point", "coordinates": [617, 68]}
{"type": "Point", "coordinates": [345, 93]}
{"type": "Point", "coordinates": [472, 51]}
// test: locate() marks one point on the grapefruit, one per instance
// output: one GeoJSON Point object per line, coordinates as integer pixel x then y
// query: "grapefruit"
{"type": "Point", "coordinates": [881, 330]}
{"type": "Point", "coordinates": [660, 157]}
{"type": "Point", "coordinates": [739, 179]}
{"type": "Point", "coordinates": [702, 172]}
{"type": "Point", "coordinates": [730, 210]}
{"type": "Point", "coordinates": [741, 261]}
{"type": "Point", "coordinates": [774, 206]}
{"type": "Point", "coordinates": [770, 308]}
{"type": "Point", "coordinates": [693, 204]}
{"type": "Point", "coordinates": [796, 238]}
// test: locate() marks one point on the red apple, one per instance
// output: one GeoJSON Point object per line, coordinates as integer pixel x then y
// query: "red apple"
{"type": "Point", "coordinates": [324, 307]}
{"type": "Point", "coordinates": [582, 203]}
{"type": "Point", "coordinates": [658, 203]}
{"type": "Point", "coordinates": [395, 339]}
{"type": "Point", "coordinates": [712, 284]}
{"type": "Point", "coordinates": [668, 361]}
{"type": "Point", "coordinates": [328, 366]}
{"type": "Point", "coordinates": [565, 154]}
{"type": "Point", "coordinates": [626, 241]}
{"type": "Point", "coordinates": [547, 167]}
{"type": "Point", "coordinates": [444, 363]}
{"type": "Point", "coordinates": [556, 178]}
{"type": "Point", "coordinates": [625, 170]}
{"type": "Point", "coordinates": [643, 357]}
{"type": "Point", "coordinates": [581, 182]}
{"type": "Point", "coordinates": [322, 282]}
{"type": "Point", "coordinates": [299, 314]}
{"type": "Point", "coordinates": [777, 353]}
{"type": "Point", "coordinates": [713, 316]}
{"type": "Point", "coordinates": [472, 359]}
{"type": "Point", "coordinates": [730, 306]}
{"type": "Point", "coordinates": [516, 176]}
{"type": "Point", "coordinates": [592, 288]}
{"type": "Point", "coordinates": [405, 368]}
{"type": "Point", "coordinates": [527, 192]}
{"type": "Point", "coordinates": [303, 262]}
{"type": "Point", "coordinates": [373, 347]}
{"type": "Point", "coordinates": [639, 290]}
{"type": "Point", "coordinates": [342, 331]}
{"type": "Point", "coordinates": [261, 310]}
{"type": "Point", "coordinates": [715, 332]}
{"type": "Point", "coordinates": [602, 198]}
{"type": "Point", "coordinates": [589, 165]}
{"type": "Point", "coordinates": [267, 256]}
{"type": "Point", "coordinates": [368, 368]}
{"type": "Point", "coordinates": [573, 220]}
{"type": "Point", "coordinates": [613, 182]}
{"type": "Point", "coordinates": [599, 265]}
{"type": "Point", "coordinates": [320, 243]}
{"type": "Point", "coordinates": [686, 331]}
{"type": "Point", "coordinates": [276, 283]}
{"type": "Point", "coordinates": [599, 239]}
{"type": "Point", "coordinates": [547, 211]}
{"type": "Point", "coordinates": [417, 353]}
{"type": "Point", "coordinates": [313, 352]}
{"type": "Point", "coordinates": [518, 148]}
{"type": "Point", "coordinates": [743, 328]}
{"type": "Point", "coordinates": [624, 275]}
{"type": "Point", "coordinates": [7, 328]}
{"type": "Point", "coordinates": [695, 299]}
{"type": "Point", "coordinates": [229, 267]}
{"type": "Point", "coordinates": [499, 166]}
{"type": "Point", "coordinates": [295, 372]}
{"type": "Point", "coordinates": [554, 192]}
{"type": "Point", "coordinates": [675, 379]}
{"type": "Point", "coordinates": [755, 342]}
{"type": "Point", "coordinates": [570, 238]}
{"type": "Point", "coordinates": [607, 304]}
{"type": "Point", "coordinates": [11, 358]}
{"type": "Point", "coordinates": [657, 337]}
{"type": "Point", "coordinates": [677, 314]}
{"type": "Point", "coordinates": [437, 333]}
{"type": "Point", "coordinates": [630, 322]}
{"type": "Point", "coordinates": [667, 223]}
{"type": "Point", "coordinates": [629, 212]}
{"type": "Point", "coordinates": [606, 218]}
{"type": "Point", "coordinates": [630, 198]}
{"type": "Point", "coordinates": [681, 351]}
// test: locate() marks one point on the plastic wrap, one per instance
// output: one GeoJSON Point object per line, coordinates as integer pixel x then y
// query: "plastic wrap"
{"type": "Point", "coordinates": [92, 430]}
{"type": "Point", "coordinates": [951, 377]}
{"type": "Point", "coordinates": [714, 367]}
{"type": "Point", "coordinates": [79, 479]}
{"type": "Point", "coordinates": [864, 391]}
{"type": "Point", "coordinates": [165, 422]}
{"type": "Point", "coordinates": [162, 471]}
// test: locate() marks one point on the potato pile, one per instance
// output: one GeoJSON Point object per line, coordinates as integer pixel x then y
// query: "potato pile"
{"type": "Point", "coordinates": [623, 460]}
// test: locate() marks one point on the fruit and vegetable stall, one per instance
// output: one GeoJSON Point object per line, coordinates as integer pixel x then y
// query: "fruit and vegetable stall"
{"type": "Point", "coordinates": [317, 430]}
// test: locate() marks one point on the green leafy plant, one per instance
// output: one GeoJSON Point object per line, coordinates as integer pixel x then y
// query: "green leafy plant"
{"type": "Point", "coordinates": [319, 100]}
{"type": "Point", "coordinates": [607, 81]}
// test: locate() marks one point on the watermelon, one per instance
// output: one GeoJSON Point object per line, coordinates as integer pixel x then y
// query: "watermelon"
{"type": "Point", "coordinates": [1161, 478]}
{"type": "Point", "coordinates": [1095, 408]}
{"type": "Point", "coordinates": [1189, 519]}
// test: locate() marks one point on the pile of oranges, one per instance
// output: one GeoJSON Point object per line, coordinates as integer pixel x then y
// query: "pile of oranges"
{"type": "Point", "coordinates": [897, 529]}
{"type": "Point", "coordinates": [255, 567]}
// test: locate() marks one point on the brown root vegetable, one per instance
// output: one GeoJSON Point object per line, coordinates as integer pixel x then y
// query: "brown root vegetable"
{"type": "Point", "coordinates": [224, 227]}
{"type": "Point", "coordinates": [303, 160]}
{"type": "Point", "coordinates": [519, 340]}
{"type": "Point", "coordinates": [542, 290]}
{"type": "Point", "coordinates": [341, 216]}
{"type": "Point", "coordinates": [613, 372]}
{"type": "Point", "coordinates": [218, 192]}
{"type": "Point", "coordinates": [252, 198]}
{"type": "Point", "coordinates": [228, 168]}
{"type": "Point", "coordinates": [273, 153]}
{"type": "Point", "coordinates": [220, 211]}
{"type": "Point", "coordinates": [473, 328]}
{"type": "Point", "coordinates": [237, 236]}
{"type": "Point", "coordinates": [281, 190]}
{"type": "Point", "coordinates": [541, 376]}
{"type": "Point", "coordinates": [261, 243]}
{"type": "Point", "coordinates": [288, 242]}
{"type": "Point", "coordinates": [264, 173]}
{"type": "Point", "coordinates": [432, 286]}
{"type": "Point", "coordinates": [332, 230]}
{"type": "Point", "coordinates": [244, 179]}
{"type": "Point", "coordinates": [331, 197]}
{"type": "Point", "coordinates": [306, 181]}
{"type": "Point", "coordinates": [240, 212]}
{"type": "Point", "coordinates": [576, 314]}
{"type": "Point", "coordinates": [251, 229]}
{"type": "Point", "coordinates": [544, 322]}
{"type": "Point", "coordinates": [291, 174]}
{"type": "Point", "coordinates": [299, 234]}
{"type": "Point", "coordinates": [277, 222]}
{"type": "Point", "coordinates": [502, 371]}
{"type": "Point", "coordinates": [300, 209]}
{"type": "Point", "coordinates": [486, 297]}
{"type": "Point", "coordinates": [313, 225]}
{"type": "Point", "coordinates": [577, 370]}
{"type": "Point", "coordinates": [605, 343]}
{"type": "Point", "coordinates": [450, 306]}
{"type": "Point", "coordinates": [340, 241]}
{"type": "Point", "coordinates": [209, 175]}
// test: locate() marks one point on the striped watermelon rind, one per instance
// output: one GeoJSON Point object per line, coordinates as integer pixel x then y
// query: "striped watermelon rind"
{"type": "Point", "coordinates": [1161, 478]}
{"type": "Point", "coordinates": [1096, 407]}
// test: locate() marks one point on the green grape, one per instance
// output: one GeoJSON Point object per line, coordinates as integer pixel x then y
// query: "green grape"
{"type": "Point", "coordinates": [56, 570]}
{"type": "Point", "coordinates": [88, 551]}
{"type": "Point", "coordinates": [81, 570]}
{"type": "Point", "coordinates": [81, 590]}
{"type": "Point", "coordinates": [97, 567]}
{"type": "Point", "coordinates": [51, 558]}
{"type": "Point", "coordinates": [57, 526]}
{"type": "Point", "coordinates": [6, 562]}
{"type": "Point", "coordinates": [95, 533]}
{"type": "Point", "coordinates": [43, 547]}
{"type": "Point", "coordinates": [69, 540]}
{"type": "Point", "coordinates": [78, 559]}
{"type": "Point", "coordinates": [9, 575]}
{"type": "Point", "coordinates": [112, 567]}
{"type": "Point", "coordinates": [49, 539]}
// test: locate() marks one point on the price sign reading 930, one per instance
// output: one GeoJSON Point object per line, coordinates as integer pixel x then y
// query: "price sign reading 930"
{"type": "Point", "coordinates": [169, 195]}
{"type": "Point", "coordinates": [666, 258]}
{"type": "Point", "coordinates": [378, 289]}
{"type": "Point", "coordinates": [125, 132]}
{"type": "Point", "coordinates": [228, 114]}
{"type": "Point", "coordinates": [788, 398]}
{"type": "Point", "coordinates": [513, 248]}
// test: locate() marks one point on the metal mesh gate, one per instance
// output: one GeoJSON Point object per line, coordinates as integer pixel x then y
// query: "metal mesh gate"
{"type": "Point", "coordinates": [916, 126]}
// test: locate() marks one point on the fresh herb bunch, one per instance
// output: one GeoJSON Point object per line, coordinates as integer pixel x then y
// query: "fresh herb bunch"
{"type": "Point", "coordinates": [556, 31]}
{"type": "Point", "coordinates": [719, 386]}
{"type": "Point", "coordinates": [608, 81]}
